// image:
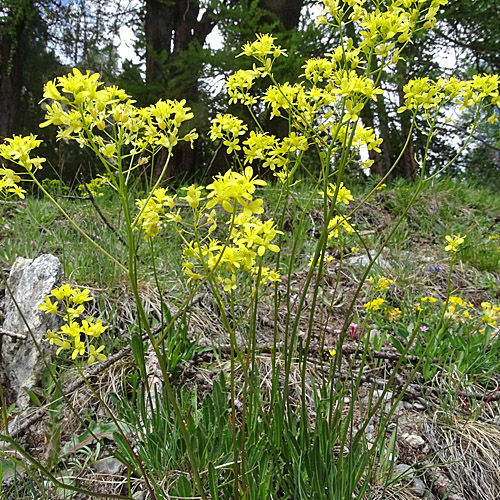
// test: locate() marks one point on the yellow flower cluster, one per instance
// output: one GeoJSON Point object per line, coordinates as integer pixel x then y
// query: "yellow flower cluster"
{"type": "Point", "coordinates": [96, 186]}
{"type": "Point", "coordinates": [337, 223]}
{"type": "Point", "coordinates": [343, 196]}
{"type": "Point", "coordinates": [458, 309]}
{"type": "Point", "coordinates": [374, 305]}
{"type": "Point", "coordinates": [393, 314]}
{"type": "Point", "coordinates": [265, 51]}
{"type": "Point", "coordinates": [425, 94]}
{"type": "Point", "coordinates": [9, 184]}
{"type": "Point", "coordinates": [380, 285]}
{"type": "Point", "coordinates": [228, 128]}
{"type": "Point", "coordinates": [382, 31]}
{"type": "Point", "coordinates": [76, 334]}
{"type": "Point", "coordinates": [490, 314]}
{"type": "Point", "coordinates": [106, 119]}
{"type": "Point", "coordinates": [249, 236]}
{"type": "Point", "coordinates": [274, 153]}
{"type": "Point", "coordinates": [337, 95]}
{"type": "Point", "coordinates": [18, 150]}
{"type": "Point", "coordinates": [239, 84]}
{"type": "Point", "coordinates": [152, 212]}
{"type": "Point", "coordinates": [337, 86]}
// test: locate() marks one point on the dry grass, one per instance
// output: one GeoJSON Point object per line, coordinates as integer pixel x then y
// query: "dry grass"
{"type": "Point", "coordinates": [470, 452]}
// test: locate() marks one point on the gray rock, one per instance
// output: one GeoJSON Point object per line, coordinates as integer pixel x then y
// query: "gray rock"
{"type": "Point", "coordinates": [377, 393]}
{"type": "Point", "coordinates": [29, 282]}
{"type": "Point", "coordinates": [418, 487]}
{"type": "Point", "coordinates": [413, 440]}
{"type": "Point", "coordinates": [108, 466]}
{"type": "Point", "coordinates": [403, 472]}
{"type": "Point", "coordinates": [364, 261]}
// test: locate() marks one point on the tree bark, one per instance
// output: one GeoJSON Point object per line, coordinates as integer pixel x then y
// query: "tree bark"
{"type": "Point", "coordinates": [386, 134]}
{"type": "Point", "coordinates": [171, 27]}
{"type": "Point", "coordinates": [11, 66]}
{"type": "Point", "coordinates": [287, 11]}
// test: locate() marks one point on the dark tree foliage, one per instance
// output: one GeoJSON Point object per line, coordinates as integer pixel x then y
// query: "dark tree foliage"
{"type": "Point", "coordinates": [43, 38]}
{"type": "Point", "coordinates": [471, 28]}
{"type": "Point", "coordinates": [179, 64]}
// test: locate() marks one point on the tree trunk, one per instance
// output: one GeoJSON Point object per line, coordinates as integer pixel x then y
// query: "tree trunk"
{"type": "Point", "coordinates": [385, 134]}
{"type": "Point", "coordinates": [368, 121]}
{"type": "Point", "coordinates": [11, 67]}
{"type": "Point", "coordinates": [287, 11]}
{"type": "Point", "coordinates": [409, 165]}
{"type": "Point", "coordinates": [171, 27]}
{"type": "Point", "coordinates": [159, 32]}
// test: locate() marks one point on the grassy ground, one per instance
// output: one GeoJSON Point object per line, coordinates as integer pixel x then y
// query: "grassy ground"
{"type": "Point", "coordinates": [447, 419]}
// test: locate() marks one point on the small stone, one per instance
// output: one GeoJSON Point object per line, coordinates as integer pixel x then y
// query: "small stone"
{"type": "Point", "coordinates": [413, 440]}
{"type": "Point", "coordinates": [108, 466]}
{"type": "Point", "coordinates": [418, 487]}
{"type": "Point", "coordinates": [364, 261]}
{"type": "Point", "coordinates": [403, 471]}
{"type": "Point", "coordinates": [370, 432]}
{"type": "Point", "coordinates": [418, 406]}
{"type": "Point", "coordinates": [377, 393]}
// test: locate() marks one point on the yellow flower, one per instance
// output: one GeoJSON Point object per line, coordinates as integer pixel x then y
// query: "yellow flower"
{"type": "Point", "coordinates": [193, 195]}
{"type": "Point", "coordinates": [456, 301]}
{"type": "Point", "coordinates": [262, 48]}
{"type": "Point", "coordinates": [48, 306]}
{"type": "Point", "coordinates": [339, 222]}
{"type": "Point", "coordinates": [80, 296]}
{"type": "Point", "coordinates": [383, 283]}
{"type": "Point", "coordinates": [394, 314]}
{"type": "Point", "coordinates": [61, 292]}
{"type": "Point", "coordinates": [73, 312]}
{"type": "Point", "coordinates": [96, 354]}
{"type": "Point", "coordinates": [490, 313]}
{"type": "Point", "coordinates": [453, 243]}
{"type": "Point", "coordinates": [79, 348]}
{"type": "Point", "coordinates": [17, 149]}
{"type": "Point", "coordinates": [344, 195]}
{"type": "Point", "coordinates": [374, 305]}
{"type": "Point", "coordinates": [71, 329]}
{"type": "Point", "coordinates": [232, 187]}
{"type": "Point", "coordinates": [428, 299]}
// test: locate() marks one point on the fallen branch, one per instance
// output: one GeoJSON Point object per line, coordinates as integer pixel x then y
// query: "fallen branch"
{"type": "Point", "coordinates": [14, 335]}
